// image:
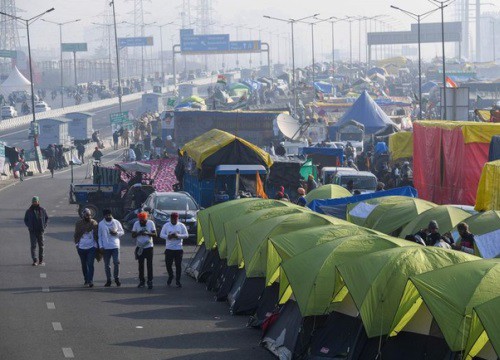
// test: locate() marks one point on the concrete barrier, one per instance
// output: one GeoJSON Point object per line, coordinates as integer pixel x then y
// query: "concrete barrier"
{"type": "Point", "coordinates": [26, 119]}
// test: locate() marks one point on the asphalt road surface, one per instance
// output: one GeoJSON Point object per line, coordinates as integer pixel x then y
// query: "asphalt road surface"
{"type": "Point", "coordinates": [46, 313]}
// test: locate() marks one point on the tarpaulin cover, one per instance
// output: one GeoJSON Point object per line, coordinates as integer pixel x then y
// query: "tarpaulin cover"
{"type": "Point", "coordinates": [401, 145]}
{"type": "Point", "coordinates": [448, 159]}
{"type": "Point", "coordinates": [488, 190]}
{"type": "Point", "coordinates": [323, 87]}
{"type": "Point", "coordinates": [162, 171]}
{"type": "Point", "coordinates": [322, 206]}
{"type": "Point", "coordinates": [214, 142]}
{"type": "Point", "coordinates": [368, 113]}
{"type": "Point", "coordinates": [494, 153]}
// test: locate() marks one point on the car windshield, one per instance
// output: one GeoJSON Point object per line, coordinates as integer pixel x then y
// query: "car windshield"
{"type": "Point", "coordinates": [360, 182]}
{"type": "Point", "coordinates": [175, 202]}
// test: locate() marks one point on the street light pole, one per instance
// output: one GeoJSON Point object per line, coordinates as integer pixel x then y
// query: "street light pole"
{"type": "Point", "coordinates": [112, 3]}
{"type": "Point", "coordinates": [161, 52]}
{"type": "Point", "coordinates": [27, 23]}
{"type": "Point", "coordinates": [419, 18]}
{"type": "Point", "coordinates": [292, 22]}
{"type": "Point", "coordinates": [60, 44]}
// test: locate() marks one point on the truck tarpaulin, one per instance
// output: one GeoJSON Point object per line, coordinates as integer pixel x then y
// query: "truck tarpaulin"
{"type": "Point", "coordinates": [448, 159]}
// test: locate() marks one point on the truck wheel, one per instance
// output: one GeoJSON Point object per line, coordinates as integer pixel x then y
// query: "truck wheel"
{"type": "Point", "coordinates": [93, 210]}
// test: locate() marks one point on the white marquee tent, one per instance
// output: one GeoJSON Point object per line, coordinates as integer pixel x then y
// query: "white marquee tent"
{"type": "Point", "coordinates": [15, 82]}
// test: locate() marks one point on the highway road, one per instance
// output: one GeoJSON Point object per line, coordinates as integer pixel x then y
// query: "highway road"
{"type": "Point", "coordinates": [47, 313]}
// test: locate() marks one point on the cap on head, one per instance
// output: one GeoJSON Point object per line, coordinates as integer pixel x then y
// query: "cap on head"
{"type": "Point", "coordinates": [433, 225]}
{"type": "Point", "coordinates": [142, 215]}
{"type": "Point", "coordinates": [35, 199]}
{"type": "Point", "coordinates": [174, 215]}
{"type": "Point", "coordinates": [301, 191]}
{"type": "Point", "coordinates": [86, 211]}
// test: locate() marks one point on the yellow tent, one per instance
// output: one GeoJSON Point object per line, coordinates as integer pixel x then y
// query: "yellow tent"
{"type": "Point", "coordinates": [488, 190]}
{"type": "Point", "coordinates": [202, 147]}
{"type": "Point", "coordinates": [401, 145]}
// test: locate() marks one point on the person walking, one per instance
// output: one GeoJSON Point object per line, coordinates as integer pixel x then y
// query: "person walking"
{"type": "Point", "coordinates": [80, 148]}
{"type": "Point", "coordinates": [97, 154]}
{"type": "Point", "coordinates": [116, 137]}
{"type": "Point", "coordinates": [143, 231]}
{"type": "Point", "coordinates": [110, 231]}
{"type": "Point", "coordinates": [51, 165]}
{"type": "Point", "coordinates": [85, 237]}
{"type": "Point", "coordinates": [36, 220]}
{"type": "Point", "coordinates": [174, 232]}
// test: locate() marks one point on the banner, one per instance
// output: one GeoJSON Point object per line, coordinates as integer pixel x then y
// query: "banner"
{"type": "Point", "coordinates": [2, 156]}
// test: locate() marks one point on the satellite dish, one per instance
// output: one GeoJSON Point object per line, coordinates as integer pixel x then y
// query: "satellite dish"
{"type": "Point", "coordinates": [290, 127]}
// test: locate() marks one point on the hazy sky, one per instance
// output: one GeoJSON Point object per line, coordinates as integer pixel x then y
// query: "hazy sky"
{"type": "Point", "coordinates": [224, 12]}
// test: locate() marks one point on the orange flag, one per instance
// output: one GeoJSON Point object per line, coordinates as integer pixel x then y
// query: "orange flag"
{"type": "Point", "coordinates": [259, 187]}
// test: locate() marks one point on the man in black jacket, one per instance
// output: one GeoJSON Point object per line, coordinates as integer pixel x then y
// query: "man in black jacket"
{"type": "Point", "coordinates": [36, 220]}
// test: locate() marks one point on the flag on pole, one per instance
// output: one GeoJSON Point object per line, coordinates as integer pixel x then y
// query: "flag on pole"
{"type": "Point", "coordinates": [450, 83]}
{"type": "Point", "coordinates": [259, 187]}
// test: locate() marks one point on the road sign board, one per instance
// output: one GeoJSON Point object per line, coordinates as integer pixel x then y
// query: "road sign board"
{"type": "Point", "coordinates": [119, 118]}
{"type": "Point", "coordinates": [248, 45]}
{"type": "Point", "coordinates": [73, 47]}
{"type": "Point", "coordinates": [135, 41]}
{"type": "Point", "coordinates": [8, 54]}
{"type": "Point", "coordinates": [204, 43]}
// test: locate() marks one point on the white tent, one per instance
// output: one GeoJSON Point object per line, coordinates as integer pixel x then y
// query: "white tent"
{"type": "Point", "coordinates": [15, 82]}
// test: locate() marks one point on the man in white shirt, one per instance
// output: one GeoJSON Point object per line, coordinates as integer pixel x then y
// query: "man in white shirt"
{"type": "Point", "coordinates": [110, 230]}
{"type": "Point", "coordinates": [85, 240]}
{"type": "Point", "coordinates": [174, 232]}
{"type": "Point", "coordinates": [143, 231]}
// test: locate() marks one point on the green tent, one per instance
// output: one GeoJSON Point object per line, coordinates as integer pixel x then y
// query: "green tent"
{"type": "Point", "coordinates": [486, 229]}
{"type": "Point", "coordinates": [235, 210]}
{"type": "Point", "coordinates": [377, 281]}
{"type": "Point", "coordinates": [312, 274]}
{"type": "Point", "coordinates": [230, 248]}
{"type": "Point", "coordinates": [285, 246]}
{"type": "Point", "coordinates": [329, 191]}
{"type": "Point", "coordinates": [394, 212]}
{"type": "Point", "coordinates": [450, 294]}
{"type": "Point", "coordinates": [238, 89]}
{"type": "Point", "coordinates": [485, 329]}
{"type": "Point", "coordinates": [205, 229]}
{"type": "Point", "coordinates": [308, 168]}
{"type": "Point", "coordinates": [357, 213]}
{"type": "Point", "coordinates": [252, 240]}
{"type": "Point", "coordinates": [447, 217]}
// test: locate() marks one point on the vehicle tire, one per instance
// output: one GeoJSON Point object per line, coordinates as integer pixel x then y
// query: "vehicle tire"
{"type": "Point", "coordinates": [94, 210]}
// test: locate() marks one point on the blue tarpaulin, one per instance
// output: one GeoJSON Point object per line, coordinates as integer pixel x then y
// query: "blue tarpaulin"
{"type": "Point", "coordinates": [323, 87]}
{"type": "Point", "coordinates": [338, 207]}
{"type": "Point", "coordinates": [367, 112]}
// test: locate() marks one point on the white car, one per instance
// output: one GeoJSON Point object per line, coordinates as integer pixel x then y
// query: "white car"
{"type": "Point", "coordinates": [8, 112]}
{"type": "Point", "coordinates": [41, 106]}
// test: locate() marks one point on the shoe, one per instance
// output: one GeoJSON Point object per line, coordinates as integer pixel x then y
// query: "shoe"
{"type": "Point", "coordinates": [35, 263]}
{"type": "Point", "coordinates": [118, 283]}
{"type": "Point", "coordinates": [108, 283]}
{"type": "Point", "coordinates": [178, 284]}
{"type": "Point", "coordinates": [41, 263]}
{"type": "Point", "coordinates": [169, 281]}
{"type": "Point", "coordinates": [150, 285]}
{"type": "Point", "coordinates": [85, 283]}
{"type": "Point", "coordinates": [91, 285]}
{"type": "Point", "coordinates": [141, 284]}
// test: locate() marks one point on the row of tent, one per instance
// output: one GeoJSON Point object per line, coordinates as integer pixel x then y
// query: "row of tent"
{"type": "Point", "coordinates": [322, 287]}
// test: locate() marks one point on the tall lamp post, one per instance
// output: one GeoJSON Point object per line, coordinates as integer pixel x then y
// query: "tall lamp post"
{"type": "Point", "coordinates": [419, 18]}
{"type": "Point", "coordinates": [161, 51]}
{"type": "Point", "coordinates": [441, 5]}
{"type": "Point", "coordinates": [60, 43]}
{"type": "Point", "coordinates": [292, 22]}
{"type": "Point", "coordinates": [112, 3]}
{"type": "Point", "coordinates": [27, 23]}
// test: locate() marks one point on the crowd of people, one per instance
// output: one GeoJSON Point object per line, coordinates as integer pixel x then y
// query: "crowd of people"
{"type": "Point", "coordinates": [102, 240]}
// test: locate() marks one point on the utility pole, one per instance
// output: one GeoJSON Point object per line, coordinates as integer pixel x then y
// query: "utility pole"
{"type": "Point", "coordinates": [112, 3]}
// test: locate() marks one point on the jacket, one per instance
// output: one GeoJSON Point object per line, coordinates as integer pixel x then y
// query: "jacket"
{"type": "Point", "coordinates": [82, 227]}
{"type": "Point", "coordinates": [36, 219]}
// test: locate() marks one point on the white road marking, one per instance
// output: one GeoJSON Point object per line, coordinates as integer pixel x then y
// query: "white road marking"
{"type": "Point", "coordinates": [58, 206]}
{"type": "Point", "coordinates": [43, 275]}
{"type": "Point", "coordinates": [68, 353]}
{"type": "Point", "coordinates": [51, 306]}
{"type": "Point", "coordinates": [57, 326]}
{"type": "Point", "coordinates": [139, 327]}
{"type": "Point", "coordinates": [45, 289]}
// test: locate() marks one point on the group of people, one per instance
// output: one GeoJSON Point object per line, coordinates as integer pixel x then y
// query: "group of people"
{"type": "Point", "coordinates": [101, 240]}
{"type": "Point", "coordinates": [431, 236]}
